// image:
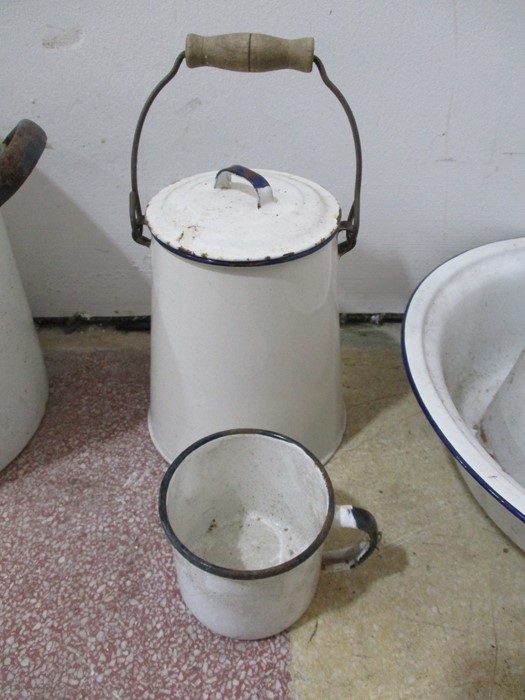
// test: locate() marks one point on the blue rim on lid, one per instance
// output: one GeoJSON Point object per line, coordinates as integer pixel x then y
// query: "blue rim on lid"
{"type": "Point", "coordinates": [249, 219]}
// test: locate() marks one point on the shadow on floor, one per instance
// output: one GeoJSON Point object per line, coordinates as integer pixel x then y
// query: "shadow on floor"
{"type": "Point", "coordinates": [338, 589]}
{"type": "Point", "coordinates": [370, 385]}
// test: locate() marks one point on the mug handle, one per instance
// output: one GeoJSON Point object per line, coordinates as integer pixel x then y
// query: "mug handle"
{"type": "Point", "coordinates": [347, 558]}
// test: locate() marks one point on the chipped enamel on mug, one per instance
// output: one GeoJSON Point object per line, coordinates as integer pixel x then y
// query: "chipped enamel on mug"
{"type": "Point", "coordinates": [248, 512]}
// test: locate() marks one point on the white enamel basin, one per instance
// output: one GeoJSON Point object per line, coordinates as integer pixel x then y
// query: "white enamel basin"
{"type": "Point", "coordinates": [463, 333]}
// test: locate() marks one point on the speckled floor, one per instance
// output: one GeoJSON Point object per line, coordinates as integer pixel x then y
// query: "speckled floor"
{"type": "Point", "coordinates": [90, 607]}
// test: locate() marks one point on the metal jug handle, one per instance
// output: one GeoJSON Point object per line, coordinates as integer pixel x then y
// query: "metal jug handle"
{"type": "Point", "coordinates": [249, 53]}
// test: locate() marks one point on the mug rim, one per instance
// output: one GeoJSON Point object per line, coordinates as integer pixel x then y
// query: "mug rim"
{"type": "Point", "coordinates": [244, 574]}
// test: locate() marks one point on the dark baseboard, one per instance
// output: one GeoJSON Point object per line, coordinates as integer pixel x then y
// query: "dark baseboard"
{"type": "Point", "coordinates": [77, 322]}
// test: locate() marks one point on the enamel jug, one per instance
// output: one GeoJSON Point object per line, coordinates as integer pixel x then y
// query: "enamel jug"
{"type": "Point", "coordinates": [23, 376]}
{"type": "Point", "coordinates": [244, 319]}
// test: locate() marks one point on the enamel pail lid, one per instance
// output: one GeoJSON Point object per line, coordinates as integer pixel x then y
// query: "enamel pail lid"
{"type": "Point", "coordinates": [241, 217]}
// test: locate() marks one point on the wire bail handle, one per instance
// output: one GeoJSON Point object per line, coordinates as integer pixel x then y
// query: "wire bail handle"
{"type": "Point", "coordinates": [250, 53]}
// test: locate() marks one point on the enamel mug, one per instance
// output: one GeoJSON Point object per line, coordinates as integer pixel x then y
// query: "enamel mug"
{"type": "Point", "coordinates": [244, 316]}
{"type": "Point", "coordinates": [247, 513]}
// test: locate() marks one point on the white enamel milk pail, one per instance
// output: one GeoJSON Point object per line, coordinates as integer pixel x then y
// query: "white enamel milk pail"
{"type": "Point", "coordinates": [244, 320]}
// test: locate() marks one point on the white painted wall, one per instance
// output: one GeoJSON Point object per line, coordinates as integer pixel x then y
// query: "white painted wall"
{"type": "Point", "coordinates": [438, 89]}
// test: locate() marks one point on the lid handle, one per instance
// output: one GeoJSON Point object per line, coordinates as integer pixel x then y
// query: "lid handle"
{"type": "Point", "coordinates": [249, 53]}
{"type": "Point", "coordinates": [261, 186]}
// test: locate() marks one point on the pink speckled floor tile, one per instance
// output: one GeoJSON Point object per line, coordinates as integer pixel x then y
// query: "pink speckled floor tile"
{"type": "Point", "coordinates": [90, 603]}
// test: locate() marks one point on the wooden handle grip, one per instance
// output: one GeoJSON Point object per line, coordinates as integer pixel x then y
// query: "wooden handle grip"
{"type": "Point", "coordinates": [249, 53]}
